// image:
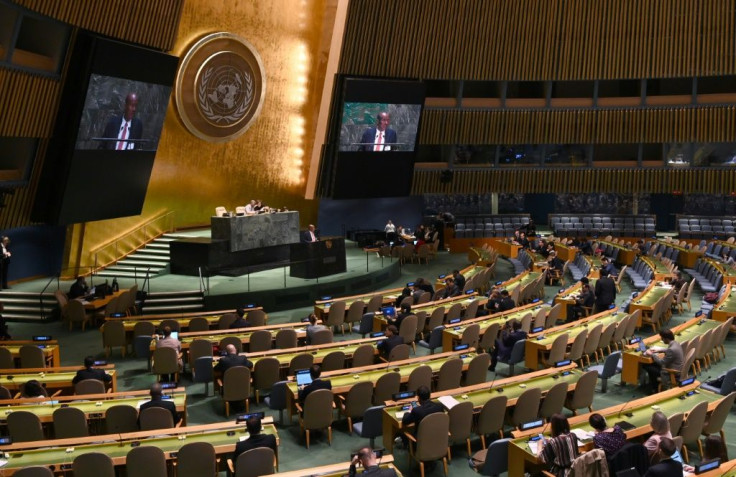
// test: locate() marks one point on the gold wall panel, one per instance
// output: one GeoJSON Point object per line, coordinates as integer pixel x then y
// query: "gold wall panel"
{"type": "Point", "coordinates": [147, 22]}
{"type": "Point", "coordinates": [518, 181]}
{"type": "Point", "coordinates": [579, 126]}
{"type": "Point", "coordinates": [540, 39]}
{"type": "Point", "coordinates": [190, 176]}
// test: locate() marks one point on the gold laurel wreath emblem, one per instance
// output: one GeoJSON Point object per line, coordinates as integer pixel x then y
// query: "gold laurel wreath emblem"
{"type": "Point", "coordinates": [204, 103]}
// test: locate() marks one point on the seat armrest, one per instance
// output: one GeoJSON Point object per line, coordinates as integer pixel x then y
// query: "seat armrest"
{"type": "Point", "coordinates": [231, 466]}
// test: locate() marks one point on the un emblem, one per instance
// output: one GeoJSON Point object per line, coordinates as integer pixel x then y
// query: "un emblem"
{"type": "Point", "coordinates": [220, 87]}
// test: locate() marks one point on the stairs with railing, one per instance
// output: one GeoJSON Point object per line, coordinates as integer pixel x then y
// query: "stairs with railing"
{"type": "Point", "coordinates": [26, 306]}
{"type": "Point", "coordinates": [153, 258]}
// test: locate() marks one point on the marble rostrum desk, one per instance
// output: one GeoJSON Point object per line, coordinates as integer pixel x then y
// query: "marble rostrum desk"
{"type": "Point", "coordinates": [239, 245]}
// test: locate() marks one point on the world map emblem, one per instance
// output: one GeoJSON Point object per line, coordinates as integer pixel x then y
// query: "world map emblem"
{"type": "Point", "coordinates": [220, 87]}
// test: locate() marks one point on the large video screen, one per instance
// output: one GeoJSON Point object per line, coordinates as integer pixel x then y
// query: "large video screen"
{"type": "Point", "coordinates": [379, 126]}
{"type": "Point", "coordinates": [111, 114]}
{"type": "Point", "coordinates": [122, 114]}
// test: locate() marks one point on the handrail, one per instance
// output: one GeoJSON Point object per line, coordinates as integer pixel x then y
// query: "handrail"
{"type": "Point", "coordinates": [204, 287]}
{"type": "Point", "coordinates": [40, 295]}
{"type": "Point", "coordinates": [114, 249]}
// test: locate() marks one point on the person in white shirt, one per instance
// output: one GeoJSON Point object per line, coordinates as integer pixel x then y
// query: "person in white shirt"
{"type": "Point", "coordinates": [389, 228]}
{"type": "Point", "coordinates": [250, 209]}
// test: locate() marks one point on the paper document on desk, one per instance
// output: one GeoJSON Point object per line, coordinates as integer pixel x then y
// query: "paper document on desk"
{"type": "Point", "coordinates": [448, 401]}
{"type": "Point", "coordinates": [583, 435]}
{"type": "Point", "coordinates": [534, 446]}
{"type": "Point", "coordinates": [400, 414]}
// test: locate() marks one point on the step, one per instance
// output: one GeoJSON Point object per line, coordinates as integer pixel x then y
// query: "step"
{"type": "Point", "coordinates": [23, 317]}
{"type": "Point", "coordinates": [147, 257]}
{"type": "Point", "coordinates": [155, 251]}
{"type": "Point", "coordinates": [158, 246]}
{"type": "Point", "coordinates": [30, 300]}
{"type": "Point", "coordinates": [132, 262]}
{"type": "Point", "coordinates": [122, 274]}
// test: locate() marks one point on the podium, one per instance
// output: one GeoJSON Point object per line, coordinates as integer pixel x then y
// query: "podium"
{"type": "Point", "coordinates": [318, 259]}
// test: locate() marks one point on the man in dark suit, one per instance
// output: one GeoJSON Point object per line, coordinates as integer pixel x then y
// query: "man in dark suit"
{"type": "Point", "coordinates": [608, 267]}
{"type": "Point", "coordinates": [4, 261]}
{"type": "Point", "coordinates": [158, 401]}
{"type": "Point", "coordinates": [667, 466]}
{"type": "Point", "coordinates": [392, 340]}
{"type": "Point", "coordinates": [510, 334]}
{"type": "Point", "coordinates": [585, 300]}
{"type": "Point", "coordinates": [506, 302]}
{"type": "Point", "coordinates": [240, 322]}
{"type": "Point", "coordinates": [78, 289]}
{"type": "Point", "coordinates": [124, 127]}
{"type": "Point", "coordinates": [316, 383]}
{"type": "Point", "coordinates": [451, 289]}
{"type": "Point", "coordinates": [89, 372]}
{"type": "Point", "coordinates": [425, 408]}
{"type": "Point", "coordinates": [405, 311]}
{"type": "Point", "coordinates": [255, 439]}
{"type": "Point", "coordinates": [310, 235]}
{"type": "Point", "coordinates": [231, 359]}
{"type": "Point", "coordinates": [459, 279]}
{"type": "Point", "coordinates": [605, 292]}
{"type": "Point", "coordinates": [379, 138]}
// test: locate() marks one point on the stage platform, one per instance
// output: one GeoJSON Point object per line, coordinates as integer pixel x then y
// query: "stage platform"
{"type": "Point", "coordinates": [273, 289]}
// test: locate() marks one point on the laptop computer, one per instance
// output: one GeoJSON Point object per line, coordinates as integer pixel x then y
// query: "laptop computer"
{"type": "Point", "coordinates": [175, 335]}
{"type": "Point", "coordinates": [303, 377]}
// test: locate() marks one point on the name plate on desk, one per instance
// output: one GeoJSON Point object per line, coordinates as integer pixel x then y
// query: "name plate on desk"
{"type": "Point", "coordinates": [257, 231]}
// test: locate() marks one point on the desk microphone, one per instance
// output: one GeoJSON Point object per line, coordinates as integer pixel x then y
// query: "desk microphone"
{"type": "Point", "coordinates": [626, 406]}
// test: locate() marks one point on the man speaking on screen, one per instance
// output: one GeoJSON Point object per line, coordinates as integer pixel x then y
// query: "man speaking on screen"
{"type": "Point", "coordinates": [379, 138]}
{"type": "Point", "coordinates": [124, 127]}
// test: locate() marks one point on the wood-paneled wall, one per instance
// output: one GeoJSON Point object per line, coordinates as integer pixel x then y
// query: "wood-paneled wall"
{"type": "Point", "coordinates": [27, 103]}
{"type": "Point", "coordinates": [579, 126]}
{"type": "Point", "coordinates": [665, 181]}
{"type": "Point", "coordinates": [540, 39]}
{"type": "Point", "coordinates": [151, 23]}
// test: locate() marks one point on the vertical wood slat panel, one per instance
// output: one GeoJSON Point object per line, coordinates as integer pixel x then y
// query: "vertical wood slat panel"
{"type": "Point", "coordinates": [26, 111]}
{"type": "Point", "coordinates": [140, 21]}
{"type": "Point", "coordinates": [538, 39]}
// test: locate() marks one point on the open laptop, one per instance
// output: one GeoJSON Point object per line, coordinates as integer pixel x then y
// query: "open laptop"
{"type": "Point", "coordinates": [175, 335]}
{"type": "Point", "coordinates": [303, 377]}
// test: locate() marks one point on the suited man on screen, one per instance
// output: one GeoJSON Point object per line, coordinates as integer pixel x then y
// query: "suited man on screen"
{"type": "Point", "coordinates": [379, 138]}
{"type": "Point", "coordinates": [124, 127]}
{"type": "Point", "coordinates": [310, 235]}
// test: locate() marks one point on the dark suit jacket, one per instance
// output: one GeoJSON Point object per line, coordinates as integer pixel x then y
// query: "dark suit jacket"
{"type": "Point", "coordinates": [306, 238]}
{"type": "Point", "coordinates": [451, 291]}
{"type": "Point", "coordinates": [239, 323]}
{"type": "Point", "coordinates": [506, 343]}
{"type": "Point", "coordinates": [374, 471]}
{"type": "Point", "coordinates": [77, 290]}
{"type": "Point", "coordinates": [112, 129]}
{"type": "Point", "coordinates": [666, 468]}
{"type": "Point", "coordinates": [506, 304]}
{"type": "Point", "coordinates": [369, 136]}
{"type": "Point", "coordinates": [605, 293]}
{"type": "Point", "coordinates": [230, 360]}
{"type": "Point", "coordinates": [161, 403]}
{"type": "Point", "coordinates": [460, 281]}
{"type": "Point", "coordinates": [390, 343]}
{"type": "Point", "coordinates": [420, 412]}
{"type": "Point", "coordinates": [253, 442]}
{"type": "Point", "coordinates": [91, 373]}
{"type": "Point", "coordinates": [314, 386]}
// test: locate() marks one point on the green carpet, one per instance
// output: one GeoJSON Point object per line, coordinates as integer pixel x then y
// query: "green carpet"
{"type": "Point", "coordinates": [76, 345]}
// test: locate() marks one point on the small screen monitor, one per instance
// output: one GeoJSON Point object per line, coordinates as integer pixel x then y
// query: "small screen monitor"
{"type": "Point", "coordinates": [538, 329]}
{"type": "Point", "coordinates": [531, 425]}
{"type": "Point", "coordinates": [42, 338]}
{"type": "Point", "coordinates": [168, 385]}
{"type": "Point", "coordinates": [100, 362]}
{"type": "Point", "coordinates": [404, 395]}
{"type": "Point", "coordinates": [687, 382]}
{"type": "Point", "coordinates": [461, 347]}
{"type": "Point", "coordinates": [441, 276]}
{"type": "Point", "coordinates": [245, 417]}
{"type": "Point", "coordinates": [389, 311]}
{"type": "Point", "coordinates": [303, 377]}
{"type": "Point", "coordinates": [562, 363]}
{"type": "Point", "coordinates": [470, 292]}
{"type": "Point", "coordinates": [714, 464]}
{"type": "Point", "coordinates": [378, 334]}
{"type": "Point", "coordinates": [455, 320]}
